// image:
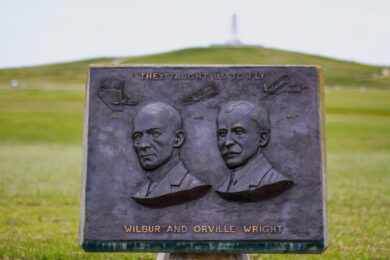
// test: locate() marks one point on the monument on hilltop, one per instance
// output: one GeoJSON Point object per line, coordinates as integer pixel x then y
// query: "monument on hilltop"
{"type": "Point", "coordinates": [233, 40]}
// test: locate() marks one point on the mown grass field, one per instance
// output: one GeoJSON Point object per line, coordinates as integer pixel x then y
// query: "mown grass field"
{"type": "Point", "coordinates": [337, 72]}
{"type": "Point", "coordinates": [40, 166]}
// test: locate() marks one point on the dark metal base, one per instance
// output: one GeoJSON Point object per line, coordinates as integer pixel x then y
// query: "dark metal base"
{"type": "Point", "coordinates": [236, 247]}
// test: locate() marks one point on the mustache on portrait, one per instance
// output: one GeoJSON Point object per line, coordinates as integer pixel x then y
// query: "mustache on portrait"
{"type": "Point", "coordinates": [231, 151]}
{"type": "Point", "coordinates": [145, 153]}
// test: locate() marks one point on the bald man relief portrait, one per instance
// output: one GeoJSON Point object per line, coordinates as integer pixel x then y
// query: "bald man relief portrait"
{"type": "Point", "coordinates": [157, 137]}
{"type": "Point", "coordinates": [243, 130]}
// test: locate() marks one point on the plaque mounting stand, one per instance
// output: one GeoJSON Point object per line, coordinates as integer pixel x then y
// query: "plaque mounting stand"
{"type": "Point", "coordinates": [189, 256]}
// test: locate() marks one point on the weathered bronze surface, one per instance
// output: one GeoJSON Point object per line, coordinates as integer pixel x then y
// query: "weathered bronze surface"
{"type": "Point", "coordinates": [157, 137]}
{"type": "Point", "coordinates": [111, 92]}
{"type": "Point", "coordinates": [204, 159]}
{"type": "Point", "coordinates": [243, 130]}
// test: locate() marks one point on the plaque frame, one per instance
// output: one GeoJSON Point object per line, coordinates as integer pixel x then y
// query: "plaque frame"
{"type": "Point", "coordinates": [206, 246]}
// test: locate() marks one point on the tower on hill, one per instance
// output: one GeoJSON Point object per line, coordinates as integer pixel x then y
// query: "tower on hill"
{"type": "Point", "coordinates": [233, 40]}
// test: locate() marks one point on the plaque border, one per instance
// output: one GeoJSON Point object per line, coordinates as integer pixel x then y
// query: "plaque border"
{"type": "Point", "coordinates": [236, 247]}
{"type": "Point", "coordinates": [206, 246]}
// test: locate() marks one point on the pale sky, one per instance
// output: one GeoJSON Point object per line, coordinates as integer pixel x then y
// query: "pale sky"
{"type": "Point", "coordinates": [39, 32]}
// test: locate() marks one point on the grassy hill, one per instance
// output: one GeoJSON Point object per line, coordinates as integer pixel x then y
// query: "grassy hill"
{"type": "Point", "coordinates": [337, 72]}
{"type": "Point", "coordinates": [41, 140]}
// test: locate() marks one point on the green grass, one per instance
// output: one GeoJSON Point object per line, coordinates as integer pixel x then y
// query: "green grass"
{"type": "Point", "coordinates": [36, 115]}
{"type": "Point", "coordinates": [337, 72]}
{"type": "Point", "coordinates": [40, 165]}
{"type": "Point", "coordinates": [68, 73]}
{"type": "Point", "coordinates": [39, 202]}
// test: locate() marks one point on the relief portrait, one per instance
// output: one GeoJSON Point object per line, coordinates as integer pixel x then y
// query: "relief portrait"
{"type": "Point", "coordinates": [243, 130]}
{"type": "Point", "coordinates": [157, 137]}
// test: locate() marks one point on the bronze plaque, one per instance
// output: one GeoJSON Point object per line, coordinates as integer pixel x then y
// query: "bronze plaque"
{"type": "Point", "coordinates": [222, 159]}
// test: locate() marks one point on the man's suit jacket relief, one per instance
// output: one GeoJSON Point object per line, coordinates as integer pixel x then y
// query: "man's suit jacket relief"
{"type": "Point", "coordinates": [255, 181]}
{"type": "Point", "coordinates": [177, 184]}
